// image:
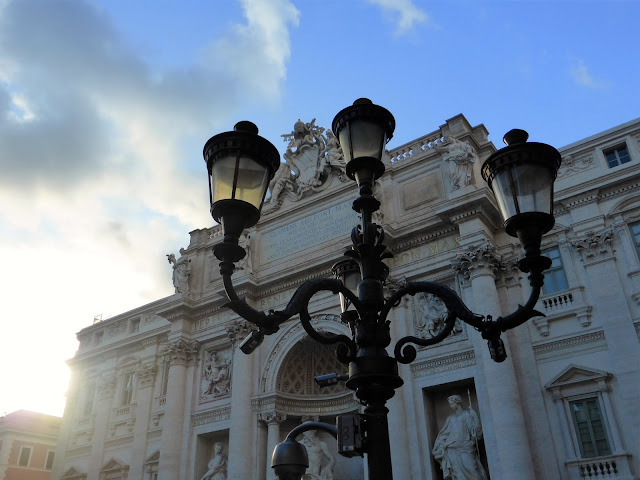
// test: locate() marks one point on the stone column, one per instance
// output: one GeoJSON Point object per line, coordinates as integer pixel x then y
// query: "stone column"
{"type": "Point", "coordinates": [608, 296]}
{"type": "Point", "coordinates": [181, 353]}
{"type": "Point", "coordinates": [242, 420]}
{"type": "Point", "coordinates": [273, 420]}
{"type": "Point", "coordinates": [104, 404]}
{"type": "Point", "coordinates": [145, 375]}
{"type": "Point", "coordinates": [512, 452]}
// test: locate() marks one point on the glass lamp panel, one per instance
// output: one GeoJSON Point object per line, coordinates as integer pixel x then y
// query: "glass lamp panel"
{"type": "Point", "coordinates": [350, 279]}
{"type": "Point", "coordinates": [523, 188]}
{"type": "Point", "coordinates": [251, 180]}
{"type": "Point", "coordinates": [363, 138]}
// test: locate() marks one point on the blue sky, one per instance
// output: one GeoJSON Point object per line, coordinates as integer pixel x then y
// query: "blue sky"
{"type": "Point", "coordinates": [105, 106]}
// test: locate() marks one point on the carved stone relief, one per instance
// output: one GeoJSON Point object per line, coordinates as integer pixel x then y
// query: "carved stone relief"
{"type": "Point", "coordinates": [429, 317]}
{"type": "Point", "coordinates": [311, 159]}
{"type": "Point", "coordinates": [571, 165]}
{"type": "Point", "coordinates": [215, 375]}
{"type": "Point", "coordinates": [459, 157]}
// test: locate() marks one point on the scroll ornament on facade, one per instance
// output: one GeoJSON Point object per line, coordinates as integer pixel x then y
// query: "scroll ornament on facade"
{"type": "Point", "coordinates": [312, 157]}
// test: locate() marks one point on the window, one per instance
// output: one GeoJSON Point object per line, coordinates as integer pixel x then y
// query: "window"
{"type": "Point", "coordinates": [88, 399]}
{"type": "Point", "coordinates": [165, 378]}
{"type": "Point", "coordinates": [635, 231]}
{"type": "Point", "coordinates": [25, 456]}
{"type": "Point", "coordinates": [135, 325]}
{"type": "Point", "coordinates": [555, 279]}
{"type": "Point", "coordinates": [49, 463]}
{"type": "Point", "coordinates": [617, 155]}
{"type": "Point", "coordinates": [589, 425]}
{"type": "Point", "coordinates": [99, 338]}
{"type": "Point", "coordinates": [127, 389]}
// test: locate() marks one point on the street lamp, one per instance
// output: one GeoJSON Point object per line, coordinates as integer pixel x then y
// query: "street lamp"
{"type": "Point", "coordinates": [241, 164]}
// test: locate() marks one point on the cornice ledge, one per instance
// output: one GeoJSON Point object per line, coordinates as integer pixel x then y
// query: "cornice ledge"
{"type": "Point", "coordinates": [211, 416]}
{"type": "Point", "coordinates": [445, 363]}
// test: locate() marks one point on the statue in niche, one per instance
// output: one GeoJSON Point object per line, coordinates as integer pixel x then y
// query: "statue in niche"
{"type": "Point", "coordinates": [433, 317]}
{"type": "Point", "coordinates": [216, 380]}
{"type": "Point", "coordinates": [217, 465]}
{"type": "Point", "coordinates": [246, 263]}
{"type": "Point", "coordinates": [321, 462]}
{"type": "Point", "coordinates": [460, 157]}
{"type": "Point", "coordinates": [181, 271]}
{"type": "Point", "coordinates": [456, 446]}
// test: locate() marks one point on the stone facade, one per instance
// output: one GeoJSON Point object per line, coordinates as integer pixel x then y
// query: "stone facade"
{"type": "Point", "coordinates": [153, 390]}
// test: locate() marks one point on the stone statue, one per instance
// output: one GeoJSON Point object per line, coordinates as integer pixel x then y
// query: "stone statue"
{"type": "Point", "coordinates": [460, 157]}
{"type": "Point", "coordinates": [216, 380]}
{"type": "Point", "coordinates": [334, 157]}
{"type": "Point", "coordinates": [217, 465]}
{"type": "Point", "coordinates": [456, 446]}
{"type": "Point", "coordinates": [246, 263]}
{"type": "Point", "coordinates": [321, 462]}
{"type": "Point", "coordinates": [181, 271]}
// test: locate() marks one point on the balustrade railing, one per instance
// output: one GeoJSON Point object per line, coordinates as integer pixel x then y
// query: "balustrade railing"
{"type": "Point", "coordinates": [430, 141]}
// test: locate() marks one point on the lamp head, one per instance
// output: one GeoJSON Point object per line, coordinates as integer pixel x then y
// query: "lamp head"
{"type": "Point", "coordinates": [363, 130]}
{"type": "Point", "coordinates": [240, 165]}
{"type": "Point", "coordinates": [522, 175]}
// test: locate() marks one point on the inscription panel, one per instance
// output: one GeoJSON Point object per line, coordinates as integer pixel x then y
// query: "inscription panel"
{"type": "Point", "coordinates": [334, 222]}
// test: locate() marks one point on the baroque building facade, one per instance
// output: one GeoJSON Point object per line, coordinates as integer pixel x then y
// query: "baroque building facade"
{"type": "Point", "coordinates": [163, 392]}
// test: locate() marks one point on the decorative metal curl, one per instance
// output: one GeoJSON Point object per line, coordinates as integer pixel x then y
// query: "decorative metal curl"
{"type": "Point", "coordinates": [456, 308]}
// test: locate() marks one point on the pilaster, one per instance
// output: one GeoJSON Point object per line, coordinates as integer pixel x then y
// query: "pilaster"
{"type": "Point", "coordinates": [273, 419]}
{"type": "Point", "coordinates": [145, 374]}
{"type": "Point", "coordinates": [181, 354]}
{"type": "Point", "coordinates": [480, 265]}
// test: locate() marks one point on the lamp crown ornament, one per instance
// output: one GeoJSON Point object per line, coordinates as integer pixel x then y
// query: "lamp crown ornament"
{"type": "Point", "coordinates": [241, 164]}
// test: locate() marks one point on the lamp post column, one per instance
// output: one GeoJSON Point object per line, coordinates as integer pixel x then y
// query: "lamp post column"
{"type": "Point", "coordinates": [273, 420]}
{"type": "Point", "coordinates": [512, 452]}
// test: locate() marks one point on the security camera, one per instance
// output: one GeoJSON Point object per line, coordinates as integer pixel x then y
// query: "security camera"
{"type": "Point", "coordinates": [289, 460]}
{"type": "Point", "coordinates": [253, 341]}
{"type": "Point", "coordinates": [330, 379]}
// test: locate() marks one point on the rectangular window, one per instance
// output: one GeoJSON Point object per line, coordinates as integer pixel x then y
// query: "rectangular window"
{"type": "Point", "coordinates": [555, 280]}
{"type": "Point", "coordinates": [25, 456]}
{"type": "Point", "coordinates": [49, 463]}
{"type": "Point", "coordinates": [617, 155]}
{"type": "Point", "coordinates": [165, 379]}
{"type": "Point", "coordinates": [99, 338]}
{"type": "Point", "coordinates": [88, 399]}
{"type": "Point", "coordinates": [635, 231]}
{"type": "Point", "coordinates": [590, 427]}
{"type": "Point", "coordinates": [135, 325]}
{"type": "Point", "coordinates": [127, 389]}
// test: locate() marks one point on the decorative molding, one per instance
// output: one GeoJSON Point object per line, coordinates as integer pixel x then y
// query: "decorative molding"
{"type": "Point", "coordinates": [478, 261]}
{"type": "Point", "coordinates": [595, 247]}
{"type": "Point", "coordinates": [569, 343]}
{"type": "Point", "coordinates": [182, 352]}
{"type": "Point", "coordinates": [443, 364]}
{"type": "Point", "coordinates": [146, 374]}
{"type": "Point", "coordinates": [211, 416]}
{"type": "Point", "coordinates": [306, 405]}
{"type": "Point", "coordinates": [272, 417]}
{"type": "Point", "coordinates": [572, 165]}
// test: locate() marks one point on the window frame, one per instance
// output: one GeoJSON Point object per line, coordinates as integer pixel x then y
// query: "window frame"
{"type": "Point", "coordinates": [618, 158]}
{"type": "Point", "coordinates": [581, 445]}
{"type": "Point", "coordinates": [128, 388]}
{"type": "Point", "coordinates": [635, 236]}
{"type": "Point", "coordinates": [553, 273]}
{"type": "Point", "coordinates": [25, 448]}
{"type": "Point", "coordinates": [52, 454]}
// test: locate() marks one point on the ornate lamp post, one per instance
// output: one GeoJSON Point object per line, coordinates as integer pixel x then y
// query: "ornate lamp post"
{"type": "Point", "coordinates": [240, 166]}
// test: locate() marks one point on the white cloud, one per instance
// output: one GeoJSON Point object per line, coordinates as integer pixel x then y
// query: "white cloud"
{"type": "Point", "coordinates": [95, 150]}
{"type": "Point", "coordinates": [582, 76]}
{"type": "Point", "coordinates": [406, 15]}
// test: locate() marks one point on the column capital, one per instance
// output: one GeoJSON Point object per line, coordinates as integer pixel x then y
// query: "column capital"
{"type": "Point", "coordinates": [478, 261]}
{"type": "Point", "coordinates": [272, 417]}
{"type": "Point", "coordinates": [182, 352]}
{"type": "Point", "coordinates": [238, 330]}
{"type": "Point", "coordinates": [146, 374]}
{"type": "Point", "coordinates": [595, 247]}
